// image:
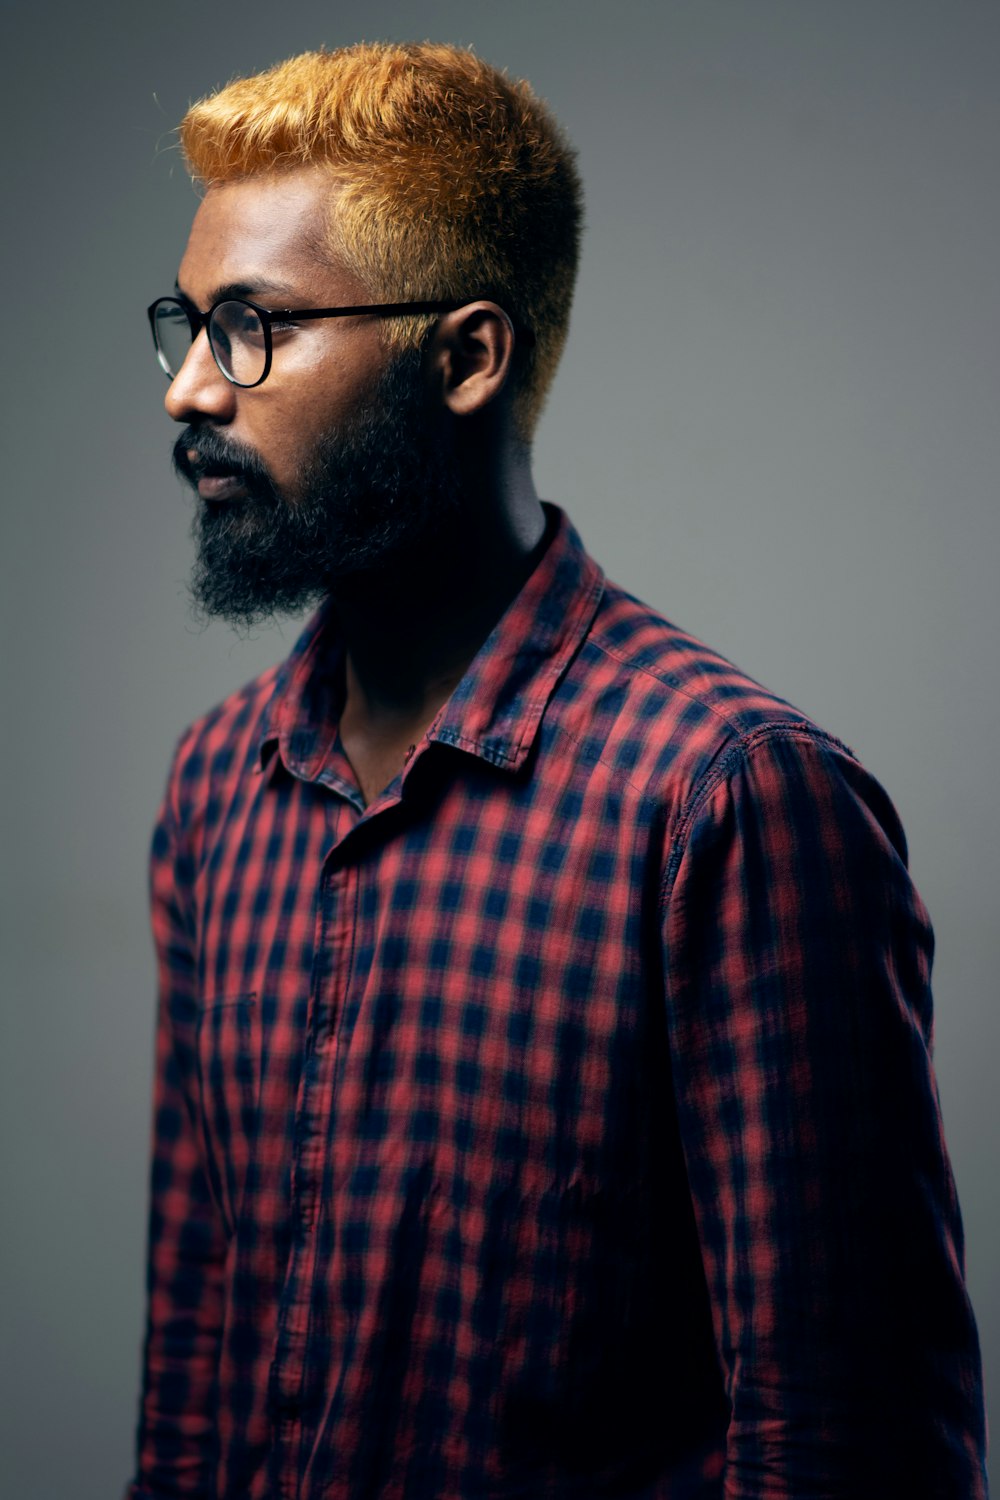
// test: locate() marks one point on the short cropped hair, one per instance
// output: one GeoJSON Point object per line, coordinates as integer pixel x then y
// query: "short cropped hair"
{"type": "Point", "coordinates": [452, 181]}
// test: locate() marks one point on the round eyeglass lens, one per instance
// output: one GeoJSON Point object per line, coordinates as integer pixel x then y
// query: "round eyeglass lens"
{"type": "Point", "coordinates": [239, 342]}
{"type": "Point", "coordinates": [173, 335]}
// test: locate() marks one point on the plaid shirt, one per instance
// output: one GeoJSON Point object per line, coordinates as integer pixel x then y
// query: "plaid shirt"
{"type": "Point", "coordinates": [563, 1123]}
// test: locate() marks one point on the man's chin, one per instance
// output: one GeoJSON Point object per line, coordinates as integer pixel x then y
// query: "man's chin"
{"type": "Point", "coordinates": [247, 608]}
{"type": "Point", "coordinates": [238, 579]}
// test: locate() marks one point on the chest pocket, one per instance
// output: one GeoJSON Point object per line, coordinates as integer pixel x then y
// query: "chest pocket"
{"type": "Point", "coordinates": [228, 1045]}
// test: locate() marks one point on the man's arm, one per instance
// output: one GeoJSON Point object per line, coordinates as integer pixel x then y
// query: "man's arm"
{"type": "Point", "coordinates": [176, 1442]}
{"type": "Point", "coordinates": [798, 957]}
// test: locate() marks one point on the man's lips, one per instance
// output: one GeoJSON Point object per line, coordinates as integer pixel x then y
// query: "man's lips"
{"type": "Point", "coordinates": [221, 487]}
{"type": "Point", "coordinates": [222, 484]}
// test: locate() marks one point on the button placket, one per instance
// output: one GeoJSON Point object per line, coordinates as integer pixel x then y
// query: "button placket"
{"type": "Point", "coordinates": [333, 948]}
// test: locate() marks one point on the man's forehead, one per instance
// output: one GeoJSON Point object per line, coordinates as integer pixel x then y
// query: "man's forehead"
{"type": "Point", "coordinates": [266, 234]}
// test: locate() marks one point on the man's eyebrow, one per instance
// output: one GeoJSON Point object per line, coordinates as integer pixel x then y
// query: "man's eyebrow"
{"type": "Point", "coordinates": [255, 290]}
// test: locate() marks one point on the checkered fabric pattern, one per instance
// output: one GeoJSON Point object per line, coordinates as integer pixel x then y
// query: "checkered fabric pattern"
{"type": "Point", "coordinates": [561, 1124]}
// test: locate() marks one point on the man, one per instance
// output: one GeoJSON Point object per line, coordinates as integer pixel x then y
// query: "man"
{"type": "Point", "coordinates": [544, 1102]}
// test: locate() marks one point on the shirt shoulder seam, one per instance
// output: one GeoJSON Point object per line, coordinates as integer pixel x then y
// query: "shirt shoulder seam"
{"type": "Point", "coordinates": [737, 753]}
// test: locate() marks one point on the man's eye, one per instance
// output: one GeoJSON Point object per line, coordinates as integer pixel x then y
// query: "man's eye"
{"type": "Point", "coordinates": [280, 325]}
{"type": "Point", "coordinates": [245, 328]}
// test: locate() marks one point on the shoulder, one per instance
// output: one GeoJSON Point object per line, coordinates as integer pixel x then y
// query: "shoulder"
{"type": "Point", "coordinates": [213, 757]}
{"type": "Point", "coordinates": [678, 670]}
{"type": "Point", "coordinates": [714, 753]}
{"type": "Point", "coordinates": [222, 740]}
{"type": "Point", "coordinates": [666, 711]}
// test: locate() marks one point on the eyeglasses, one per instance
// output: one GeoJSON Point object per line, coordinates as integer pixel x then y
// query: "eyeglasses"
{"type": "Point", "coordinates": [240, 332]}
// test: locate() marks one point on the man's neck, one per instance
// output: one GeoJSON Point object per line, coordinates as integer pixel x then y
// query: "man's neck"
{"type": "Point", "coordinates": [409, 636]}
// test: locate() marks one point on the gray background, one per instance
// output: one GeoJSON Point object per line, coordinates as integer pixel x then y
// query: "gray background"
{"type": "Point", "coordinates": [777, 421]}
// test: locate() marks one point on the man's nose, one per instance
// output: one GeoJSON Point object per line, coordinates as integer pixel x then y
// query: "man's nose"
{"type": "Point", "coordinates": [199, 389]}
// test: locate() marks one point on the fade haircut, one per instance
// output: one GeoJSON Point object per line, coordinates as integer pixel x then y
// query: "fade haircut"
{"type": "Point", "coordinates": [450, 181]}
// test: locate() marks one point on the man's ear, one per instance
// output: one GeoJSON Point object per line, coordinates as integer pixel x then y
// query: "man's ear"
{"type": "Point", "coordinates": [470, 356]}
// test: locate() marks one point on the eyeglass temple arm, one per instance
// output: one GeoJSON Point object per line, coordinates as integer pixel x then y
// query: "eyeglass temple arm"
{"type": "Point", "coordinates": [385, 310]}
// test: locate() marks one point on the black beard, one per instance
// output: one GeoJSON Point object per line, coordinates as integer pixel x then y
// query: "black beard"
{"type": "Point", "coordinates": [374, 491]}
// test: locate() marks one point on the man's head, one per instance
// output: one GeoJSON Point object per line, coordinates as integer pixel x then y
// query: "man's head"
{"type": "Point", "coordinates": [377, 174]}
{"type": "Point", "coordinates": [447, 180]}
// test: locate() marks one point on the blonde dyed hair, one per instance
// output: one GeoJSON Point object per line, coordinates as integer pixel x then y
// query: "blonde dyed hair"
{"type": "Point", "coordinates": [450, 181]}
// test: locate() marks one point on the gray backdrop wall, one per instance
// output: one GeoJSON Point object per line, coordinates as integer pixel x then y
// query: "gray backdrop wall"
{"type": "Point", "coordinates": [777, 421]}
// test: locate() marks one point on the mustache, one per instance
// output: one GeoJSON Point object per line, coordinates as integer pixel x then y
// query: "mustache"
{"type": "Point", "coordinates": [200, 453]}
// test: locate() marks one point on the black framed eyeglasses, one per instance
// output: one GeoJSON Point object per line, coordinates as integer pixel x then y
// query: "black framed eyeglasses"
{"type": "Point", "coordinates": [240, 332]}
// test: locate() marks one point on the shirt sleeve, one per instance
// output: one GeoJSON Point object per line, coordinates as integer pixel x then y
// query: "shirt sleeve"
{"type": "Point", "coordinates": [186, 1243]}
{"type": "Point", "coordinates": [797, 962]}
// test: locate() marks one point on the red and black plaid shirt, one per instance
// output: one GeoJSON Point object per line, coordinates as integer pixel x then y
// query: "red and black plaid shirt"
{"type": "Point", "coordinates": [562, 1123]}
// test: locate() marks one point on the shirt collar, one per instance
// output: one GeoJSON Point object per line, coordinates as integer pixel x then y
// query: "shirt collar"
{"type": "Point", "coordinates": [495, 710]}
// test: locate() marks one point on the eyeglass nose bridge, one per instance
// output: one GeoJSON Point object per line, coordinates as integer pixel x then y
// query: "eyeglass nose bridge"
{"type": "Point", "coordinates": [198, 322]}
